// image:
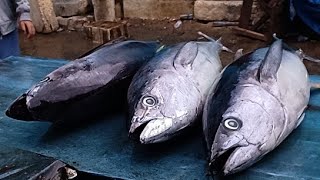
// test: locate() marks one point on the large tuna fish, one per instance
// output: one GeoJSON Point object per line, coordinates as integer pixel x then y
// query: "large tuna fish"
{"type": "Point", "coordinates": [168, 93]}
{"type": "Point", "coordinates": [81, 88]}
{"type": "Point", "coordinates": [258, 101]}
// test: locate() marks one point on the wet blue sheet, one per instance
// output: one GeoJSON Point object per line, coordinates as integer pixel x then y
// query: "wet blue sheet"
{"type": "Point", "coordinates": [104, 148]}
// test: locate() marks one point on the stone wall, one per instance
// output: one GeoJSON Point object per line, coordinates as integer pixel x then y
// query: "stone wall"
{"type": "Point", "coordinates": [207, 10]}
{"type": "Point", "coordinates": [217, 10]}
{"type": "Point", "coordinates": [157, 9]}
{"type": "Point", "coordinates": [221, 10]}
{"type": "Point", "coordinates": [68, 8]}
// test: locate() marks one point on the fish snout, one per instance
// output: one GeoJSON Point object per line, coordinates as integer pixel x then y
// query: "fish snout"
{"type": "Point", "coordinates": [222, 147]}
{"type": "Point", "coordinates": [242, 158]}
{"type": "Point", "coordinates": [150, 131]}
{"type": "Point", "coordinates": [137, 125]}
{"type": "Point", "coordinates": [218, 159]}
{"type": "Point", "coordinates": [156, 131]}
{"type": "Point", "coordinates": [233, 156]}
{"type": "Point", "coordinates": [19, 110]}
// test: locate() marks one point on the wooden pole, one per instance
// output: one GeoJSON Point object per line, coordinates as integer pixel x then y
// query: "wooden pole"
{"type": "Point", "coordinates": [245, 15]}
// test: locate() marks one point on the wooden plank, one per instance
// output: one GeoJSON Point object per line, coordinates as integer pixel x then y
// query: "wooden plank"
{"type": "Point", "coordinates": [245, 16]}
{"type": "Point", "coordinates": [249, 33]}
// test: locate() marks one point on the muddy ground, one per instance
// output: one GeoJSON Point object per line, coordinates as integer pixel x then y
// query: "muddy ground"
{"type": "Point", "coordinates": [70, 44]}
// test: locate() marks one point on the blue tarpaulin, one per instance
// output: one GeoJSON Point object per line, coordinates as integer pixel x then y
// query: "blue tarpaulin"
{"type": "Point", "coordinates": [309, 12]}
{"type": "Point", "coordinates": [103, 147]}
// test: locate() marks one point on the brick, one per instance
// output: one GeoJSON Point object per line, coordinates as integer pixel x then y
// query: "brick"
{"type": "Point", "coordinates": [103, 31]}
{"type": "Point", "coordinates": [157, 9]}
{"type": "Point", "coordinates": [217, 10]}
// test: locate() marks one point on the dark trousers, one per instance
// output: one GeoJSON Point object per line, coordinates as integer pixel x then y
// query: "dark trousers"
{"type": "Point", "coordinates": [9, 45]}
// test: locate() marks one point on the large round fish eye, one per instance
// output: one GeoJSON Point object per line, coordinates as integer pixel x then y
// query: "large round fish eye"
{"type": "Point", "coordinates": [232, 124]}
{"type": "Point", "coordinates": [149, 101]}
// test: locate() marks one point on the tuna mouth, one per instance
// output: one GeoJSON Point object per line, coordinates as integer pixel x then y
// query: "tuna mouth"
{"type": "Point", "coordinates": [152, 131]}
{"type": "Point", "coordinates": [136, 130]}
{"type": "Point", "coordinates": [19, 110]}
{"type": "Point", "coordinates": [218, 160]}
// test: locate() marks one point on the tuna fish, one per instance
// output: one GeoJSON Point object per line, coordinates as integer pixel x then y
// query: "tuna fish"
{"type": "Point", "coordinates": [257, 102]}
{"type": "Point", "coordinates": [81, 88]}
{"type": "Point", "coordinates": [168, 93]}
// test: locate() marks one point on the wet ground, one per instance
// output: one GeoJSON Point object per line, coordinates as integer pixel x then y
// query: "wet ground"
{"type": "Point", "coordinates": [71, 44]}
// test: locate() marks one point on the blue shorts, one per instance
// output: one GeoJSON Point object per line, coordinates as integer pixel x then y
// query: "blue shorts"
{"type": "Point", "coordinates": [9, 45]}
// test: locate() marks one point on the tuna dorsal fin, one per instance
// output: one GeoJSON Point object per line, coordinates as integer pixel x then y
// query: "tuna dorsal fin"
{"type": "Point", "coordinates": [271, 63]}
{"type": "Point", "coordinates": [187, 54]}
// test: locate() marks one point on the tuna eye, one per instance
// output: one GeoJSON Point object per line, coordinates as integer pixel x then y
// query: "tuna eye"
{"type": "Point", "coordinates": [149, 101]}
{"type": "Point", "coordinates": [232, 124]}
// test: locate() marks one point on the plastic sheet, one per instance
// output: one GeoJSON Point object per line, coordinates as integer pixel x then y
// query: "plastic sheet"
{"type": "Point", "coordinates": [103, 147]}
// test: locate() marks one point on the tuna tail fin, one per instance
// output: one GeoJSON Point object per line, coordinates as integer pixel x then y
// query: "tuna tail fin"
{"type": "Point", "coordinates": [217, 41]}
{"type": "Point", "coordinates": [271, 63]}
{"type": "Point", "coordinates": [298, 52]}
{"type": "Point", "coordinates": [238, 54]}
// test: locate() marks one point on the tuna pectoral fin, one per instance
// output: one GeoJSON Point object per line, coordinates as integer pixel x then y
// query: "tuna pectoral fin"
{"type": "Point", "coordinates": [271, 63]}
{"type": "Point", "coordinates": [19, 110]}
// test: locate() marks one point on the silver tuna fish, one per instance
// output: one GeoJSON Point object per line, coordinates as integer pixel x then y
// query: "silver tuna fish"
{"type": "Point", "coordinates": [258, 101]}
{"type": "Point", "coordinates": [76, 90]}
{"type": "Point", "coordinates": [168, 93]}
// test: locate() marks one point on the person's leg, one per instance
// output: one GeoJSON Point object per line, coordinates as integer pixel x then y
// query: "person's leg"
{"type": "Point", "coordinates": [308, 17]}
{"type": "Point", "coordinates": [9, 45]}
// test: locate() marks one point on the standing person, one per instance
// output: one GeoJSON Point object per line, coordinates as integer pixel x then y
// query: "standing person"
{"type": "Point", "coordinates": [305, 15]}
{"type": "Point", "coordinates": [13, 13]}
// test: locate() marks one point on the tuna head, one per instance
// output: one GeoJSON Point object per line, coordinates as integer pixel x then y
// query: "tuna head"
{"type": "Point", "coordinates": [254, 122]}
{"type": "Point", "coordinates": [163, 109]}
{"type": "Point", "coordinates": [168, 94]}
{"type": "Point", "coordinates": [249, 129]}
